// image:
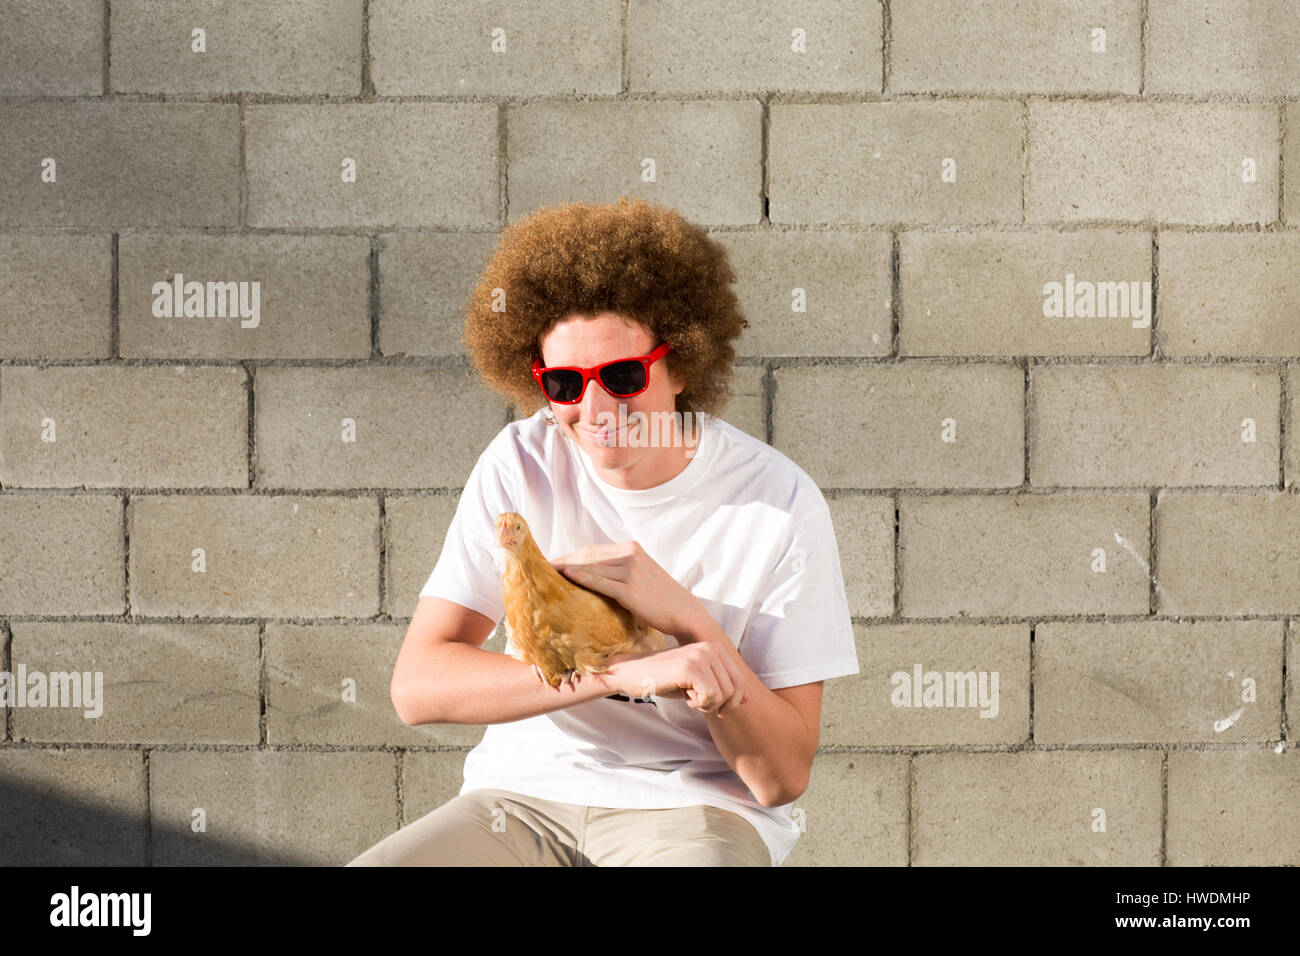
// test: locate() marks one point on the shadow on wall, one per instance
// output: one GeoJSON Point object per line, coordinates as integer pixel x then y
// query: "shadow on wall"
{"type": "Point", "coordinates": [38, 828]}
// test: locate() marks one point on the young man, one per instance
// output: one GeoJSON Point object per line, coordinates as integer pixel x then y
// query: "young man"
{"type": "Point", "coordinates": [617, 316]}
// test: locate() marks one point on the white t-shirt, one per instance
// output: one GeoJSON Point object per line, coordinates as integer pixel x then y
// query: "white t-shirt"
{"type": "Point", "coordinates": [741, 526]}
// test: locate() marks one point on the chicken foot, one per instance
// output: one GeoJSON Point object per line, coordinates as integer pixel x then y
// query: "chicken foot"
{"type": "Point", "coordinates": [571, 679]}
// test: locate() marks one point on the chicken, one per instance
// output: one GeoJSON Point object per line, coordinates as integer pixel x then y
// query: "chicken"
{"type": "Point", "coordinates": [563, 629]}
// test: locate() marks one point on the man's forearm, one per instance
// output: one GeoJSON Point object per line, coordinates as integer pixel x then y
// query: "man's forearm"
{"type": "Point", "coordinates": [765, 740]}
{"type": "Point", "coordinates": [456, 683]}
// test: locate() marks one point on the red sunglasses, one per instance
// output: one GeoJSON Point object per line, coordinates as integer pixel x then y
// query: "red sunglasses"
{"type": "Point", "coordinates": [622, 378]}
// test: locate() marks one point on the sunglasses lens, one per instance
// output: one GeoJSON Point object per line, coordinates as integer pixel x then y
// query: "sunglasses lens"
{"type": "Point", "coordinates": [624, 378]}
{"type": "Point", "coordinates": [562, 385]}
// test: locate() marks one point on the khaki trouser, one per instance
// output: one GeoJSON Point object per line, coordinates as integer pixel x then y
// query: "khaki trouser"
{"type": "Point", "coordinates": [502, 828]}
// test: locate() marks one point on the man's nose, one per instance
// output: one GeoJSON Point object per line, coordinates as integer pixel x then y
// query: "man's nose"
{"type": "Point", "coordinates": [598, 400]}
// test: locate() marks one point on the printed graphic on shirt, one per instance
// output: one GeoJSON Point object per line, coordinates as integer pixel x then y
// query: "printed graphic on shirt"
{"type": "Point", "coordinates": [635, 700]}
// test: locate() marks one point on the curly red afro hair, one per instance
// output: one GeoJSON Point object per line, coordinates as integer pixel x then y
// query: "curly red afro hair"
{"type": "Point", "coordinates": [639, 260]}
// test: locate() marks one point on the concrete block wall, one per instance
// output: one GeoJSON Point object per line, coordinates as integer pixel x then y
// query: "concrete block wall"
{"type": "Point", "coordinates": [230, 516]}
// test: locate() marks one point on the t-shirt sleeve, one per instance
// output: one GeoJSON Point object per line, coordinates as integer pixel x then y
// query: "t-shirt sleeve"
{"type": "Point", "coordinates": [468, 570]}
{"type": "Point", "coordinates": [801, 632]}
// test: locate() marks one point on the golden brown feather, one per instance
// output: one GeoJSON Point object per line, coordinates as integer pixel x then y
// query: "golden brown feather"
{"type": "Point", "coordinates": [562, 628]}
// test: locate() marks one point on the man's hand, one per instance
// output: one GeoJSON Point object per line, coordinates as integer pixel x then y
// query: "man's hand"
{"type": "Point", "coordinates": [622, 570]}
{"type": "Point", "coordinates": [701, 673]}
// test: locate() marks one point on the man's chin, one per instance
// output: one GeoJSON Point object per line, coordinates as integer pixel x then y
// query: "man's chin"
{"type": "Point", "coordinates": [606, 452]}
{"type": "Point", "coordinates": [613, 455]}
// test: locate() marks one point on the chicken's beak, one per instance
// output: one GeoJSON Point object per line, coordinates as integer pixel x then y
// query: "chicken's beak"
{"type": "Point", "coordinates": [504, 537]}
